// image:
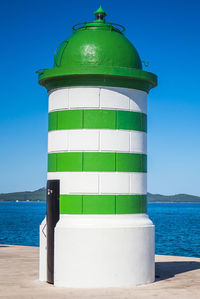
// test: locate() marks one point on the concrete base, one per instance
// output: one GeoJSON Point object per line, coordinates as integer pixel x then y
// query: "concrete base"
{"type": "Point", "coordinates": [43, 251]}
{"type": "Point", "coordinates": [95, 251]}
{"type": "Point", "coordinates": [177, 277]}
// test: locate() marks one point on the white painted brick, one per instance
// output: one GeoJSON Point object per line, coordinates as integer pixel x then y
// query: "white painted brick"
{"type": "Point", "coordinates": [78, 183]}
{"type": "Point", "coordinates": [113, 98]}
{"type": "Point", "coordinates": [138, 100]}
{"type": "Point", "coordinates": [50, 108]}
{"type": "Point", "coordinates": [60, 99]}
{"type": "Point", "coordinates": [53, 175]}
{"type": "Point", "coordinates": [57, 141]}
{"type": "Point", "coordinates": [114, 183]}
{"type": "Point", "coordinates": [83, 140]}
{"type": "Point", "coordinates": [138, 182]}
{"type": "Point", "coordinates": [114, 140]}
{"type": "Point", "coordinates": [83, 97]}
{"type": "Point", "coordinates": [138, 142]}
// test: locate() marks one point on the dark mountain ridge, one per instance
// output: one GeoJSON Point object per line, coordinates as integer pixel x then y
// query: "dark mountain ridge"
{"type": "Point", "coordinates": [40, 195]}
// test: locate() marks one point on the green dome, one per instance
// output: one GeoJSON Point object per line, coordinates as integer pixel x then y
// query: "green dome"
{"type": "Point", "coordinates": [97, 53]}
{"type": "Point", "coordinates": [94, 46]}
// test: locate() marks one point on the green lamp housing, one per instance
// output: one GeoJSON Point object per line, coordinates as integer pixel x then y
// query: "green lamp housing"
{"type": "Point", "coordinates": [97, 54]}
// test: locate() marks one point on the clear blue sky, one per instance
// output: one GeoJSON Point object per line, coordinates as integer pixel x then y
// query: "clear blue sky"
{"type": "Point", "coordinates": [165, 33]}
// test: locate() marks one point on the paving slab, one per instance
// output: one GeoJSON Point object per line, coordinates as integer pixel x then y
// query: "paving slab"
{"type": "Point", "coordinates": [176, 277]}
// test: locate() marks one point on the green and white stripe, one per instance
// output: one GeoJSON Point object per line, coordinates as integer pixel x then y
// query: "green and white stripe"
{"type": "Point", "coordinates": [97, 149]}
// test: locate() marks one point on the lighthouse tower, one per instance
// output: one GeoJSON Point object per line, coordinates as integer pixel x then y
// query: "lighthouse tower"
{"type": "Point", "coordinates": [98, 231]}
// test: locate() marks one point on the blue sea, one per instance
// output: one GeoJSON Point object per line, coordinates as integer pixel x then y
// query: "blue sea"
{"type": "Point", "coordinates": [177, 225]}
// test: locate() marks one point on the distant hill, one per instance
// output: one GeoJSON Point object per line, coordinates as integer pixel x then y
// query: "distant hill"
{"type": "Point", "coordinates": [40, 195]}
{"type": "Point", "coordinates": [172, 198]}
{"type": "Point", "coordinates": [37, 195]}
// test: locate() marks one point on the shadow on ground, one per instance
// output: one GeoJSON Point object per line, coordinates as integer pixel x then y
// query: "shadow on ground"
{"type": "Point", "coordinates": [166, 270]}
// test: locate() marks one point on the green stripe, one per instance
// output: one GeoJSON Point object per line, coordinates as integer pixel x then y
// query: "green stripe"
{"type": "Point", "coordinates": [98, 204]}
{"type": "Point", "coordinates": [97, 119]}
{"type": "Point", "coordinates": [131, 204]}
{"type": "Point", "coordinates": [71, 204]}
{"type": "Point", "coordinates": [103, 204]}
{"type": "Point", "coordinates": [97, 161]}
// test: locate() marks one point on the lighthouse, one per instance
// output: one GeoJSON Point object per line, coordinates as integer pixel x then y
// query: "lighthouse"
{"type": "Point", "coordinates": [97, 232]}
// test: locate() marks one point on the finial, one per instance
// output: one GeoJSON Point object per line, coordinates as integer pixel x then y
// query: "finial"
{"type": "Point", "coordinates": [100, 14]}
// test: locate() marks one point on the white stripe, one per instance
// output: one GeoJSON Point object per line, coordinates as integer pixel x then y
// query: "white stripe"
{"type": "Point", "coordinates": [59, 99]}
{"type": "Point", "coordinates": [84, 97]}
{"type": "Point", "coordinates": [123, 99]}
{"type": "Point", "coordinates": [97, 140]}
{"type": "Point", "coordinates": [98, 98]}
{"type": "Point", "coordinates": [100, 182]}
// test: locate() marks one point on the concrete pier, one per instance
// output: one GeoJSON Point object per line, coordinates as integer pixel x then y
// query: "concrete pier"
{"type": "Point", "coordinates": [176, 277]}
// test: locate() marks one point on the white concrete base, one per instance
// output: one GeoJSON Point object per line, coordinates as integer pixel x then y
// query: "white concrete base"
{"type": "Point", "coordinates": [43, 252]}
{"type": "Point", "coordinates": [94, 251]}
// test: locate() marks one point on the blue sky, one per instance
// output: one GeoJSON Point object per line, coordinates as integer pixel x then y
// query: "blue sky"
{"type": "Point", "coordinates": [165, 33]}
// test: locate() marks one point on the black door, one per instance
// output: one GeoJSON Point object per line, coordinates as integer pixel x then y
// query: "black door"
{"type": "Point", "coordinates": [52, 218]}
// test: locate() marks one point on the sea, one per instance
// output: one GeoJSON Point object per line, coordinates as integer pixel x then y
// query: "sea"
{"type": "Point", "coordinates": [177, 225]}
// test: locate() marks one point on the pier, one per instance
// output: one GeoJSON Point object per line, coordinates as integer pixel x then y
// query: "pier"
{"type": "Point", "coordinates": [176, 277]}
